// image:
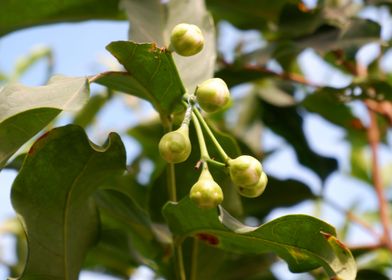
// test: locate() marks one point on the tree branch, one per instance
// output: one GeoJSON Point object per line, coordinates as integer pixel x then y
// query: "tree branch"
{"type": "Point", "coordinates": [374, 138]}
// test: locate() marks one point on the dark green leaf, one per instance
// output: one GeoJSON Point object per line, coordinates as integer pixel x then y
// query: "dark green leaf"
{"type": "Point", "coordinates": [20, 14]}
{"type": "Point", "coordinates": [304, 247]}
{"type": "Point", "coordinates": [248, 14]}
{"type": "Point", "coordinates": [52, 195]}
{"type": "Point", "coordinates": [24, 111]}
{"type": "Point", "coordinates": [367, 274]}
{"type": "Point", "coordinates": [272, 197]}
{"type": "Point", "coordinates": [287, 122]}
{"type": "Point", "coordinates": [152, 75]}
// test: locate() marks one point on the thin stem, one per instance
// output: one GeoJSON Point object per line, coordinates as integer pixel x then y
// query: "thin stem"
{"type": "Point", "coordinates": [171, 182]}
{"type": "Point", "coordinates": [195, 254]}
{"type": "Point", "coordinates": [188, 115]}
{"type": "Point", "coordinates": [200, 137]}
{"type": "Point", "coordinates": [179, 260]}
{"type": "Point", "coordinates": [374, 138]}
{"type": "Point", "coordinates": [293, 77]}
{"type": "Point", "coordinates": [222, 152]}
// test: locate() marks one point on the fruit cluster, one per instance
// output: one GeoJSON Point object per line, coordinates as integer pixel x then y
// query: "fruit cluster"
{"type": "Point", "coordinates": [212, 95]}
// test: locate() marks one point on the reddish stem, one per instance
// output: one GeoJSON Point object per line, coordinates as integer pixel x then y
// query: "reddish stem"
{"type": "Point", "coordinates": [374, 138]}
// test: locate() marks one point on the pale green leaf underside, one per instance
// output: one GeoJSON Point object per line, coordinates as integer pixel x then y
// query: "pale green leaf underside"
{"type": "Point", "coordinates": [52, 194]}
{"type": "Point", "coordinates": [299, 239]}
{"type": "Point", "coordinates": [24, 110]}
{"type": "Point", "coordinates": [162, 17]}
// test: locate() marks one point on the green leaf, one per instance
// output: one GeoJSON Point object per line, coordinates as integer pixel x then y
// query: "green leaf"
{"type": "Point", "coordinates": [52, 195]}
{"type": "Point", "coordinates": [18, 14]}
{"type": "Point", "coordinates": [24, 111]}
{"type": "Point", "coordinates": [162, 17]}
{"type": "Point", "coordinates": [249, 14]}
{"type": "Point", "coordinates": [152, 75]}
{"type": "Point", "coordinates": [87, 115]}
{"type": "Point", "coordinates": [304, 242]}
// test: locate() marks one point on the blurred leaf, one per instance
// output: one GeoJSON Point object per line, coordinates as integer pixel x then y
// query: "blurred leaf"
{"type": "Point", "coordinates": [162, 17]}
{"type": "Point", "coordinates": [309, 246]}
{"type": "Point", "coordinates": [111, 255]}
{"type": "Point", "coordinates": [52, 195]}
{"type": "Point", "coordinates": [294, 21]}
{"type": "Point", "coordinates": [248, 14]}
{"type": "Point", "coordinates": [287, 122]}
{"type": "Point", "coordinates": [26, 62]}
{"type": "Point", "coordinates": [24, 111]}
{"type": "Point", "coordinates": [274, 92]}
{"type": "Point", "coordinates": [36, 12]}
{"type": "Point", "coordinates": [367, 274]}
{"type": "Point", "coordinates": [326, 103]}
{"type": "Point", "coordinates": [88, 113]}
{"type": "Point", "coordinates": [211, 263]}
{"type": "Point", "coordinates": [152, 75]}
{"type": "Point", "coordinates": [272, 197]}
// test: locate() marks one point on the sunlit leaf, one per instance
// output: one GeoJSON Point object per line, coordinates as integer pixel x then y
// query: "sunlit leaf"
{"type": "Point", "coordinates": [302, 241]}
{"type": "Point", "coordinates": [24, 111]}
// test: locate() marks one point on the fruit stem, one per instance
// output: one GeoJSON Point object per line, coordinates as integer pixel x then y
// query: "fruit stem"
{"type": "Point", "coordinates": [188, 115]}
{"type": "Point", "coordinates": [204, 156]}
{"type": "Point", "coordinates": [222, 152]}
{"type": "Point", "coordinates": [179, 259]}
{"type": "Point", "coordinates": [195, 253]}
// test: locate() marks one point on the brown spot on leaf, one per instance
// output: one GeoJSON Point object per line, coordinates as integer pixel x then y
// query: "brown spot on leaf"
{"type": "Point", "coordinates": [209, 238]}
{"type": "Point", "coordinates": [153, 48]}
{"type": "Point", "coordinates": [326, 235]}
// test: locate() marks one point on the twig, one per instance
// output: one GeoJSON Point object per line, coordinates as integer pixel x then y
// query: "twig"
{"type": "Point", "coordinates": [264, 70]}
{"type": "Point", "coordinates": [352, 217]}
{"type": "Point", "coordinates": [374, 138]}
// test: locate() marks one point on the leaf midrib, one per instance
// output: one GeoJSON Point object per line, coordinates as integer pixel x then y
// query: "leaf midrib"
{"type": "Point", "coordinates": [66, 211]}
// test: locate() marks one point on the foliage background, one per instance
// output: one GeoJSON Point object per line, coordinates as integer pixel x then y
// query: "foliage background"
{"type": "Point", "coordinates": [340, 187]}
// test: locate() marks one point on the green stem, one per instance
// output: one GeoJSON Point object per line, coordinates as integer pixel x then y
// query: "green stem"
{"type": "Point", "coordinates": [179, 261]}
{"type": "Point", "coordinates": [222, 152]}
{"type": "Point", "coordinates": [200, 137]}
{"type": "Point", "coordinates": [195, 254]}
{"type": "Point", "coordinates": [171, 187]}
{"type": "Point", "coordinates": [171, 182]}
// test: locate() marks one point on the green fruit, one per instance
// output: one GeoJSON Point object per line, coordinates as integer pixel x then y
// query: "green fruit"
{"type": "Point", "coordinates": [212, 95]}
{"type": "Point", "coordinates": [245, 171]}
{"type": "Point", "coordinates": [256, 189]}
{"type": "Point", "coordinates": [175, 146]}
{"type": "Point", "coordinates": [187, 39]}
{"type": "Point", "coordinates": [206, 193]}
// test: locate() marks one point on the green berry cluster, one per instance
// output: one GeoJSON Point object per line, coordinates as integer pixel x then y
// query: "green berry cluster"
{"type": "Point", "coordinates": [245, 171]}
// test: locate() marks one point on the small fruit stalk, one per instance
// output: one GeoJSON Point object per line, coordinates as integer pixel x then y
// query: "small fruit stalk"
{"type": "Point", "coordinates": [247, 174]}
{"type": "Point", "coordinates": [186, 39]}
{"type": "Point", "coordinates": [206, 193]}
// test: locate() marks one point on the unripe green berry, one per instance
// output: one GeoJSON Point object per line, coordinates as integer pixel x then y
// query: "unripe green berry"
{"type": "Point", "coordinates": [256, 189]}
{"type": "Point", "coordinates": [175, 146]}
{"type": "Point", "coordinates": [206, 193]}
{"type": "Point", "coordinates": [187, 39]}
{"type": "Point", "coordinates": [212, 95]}
{"type": "Point", "coordinates": [245, 171]}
